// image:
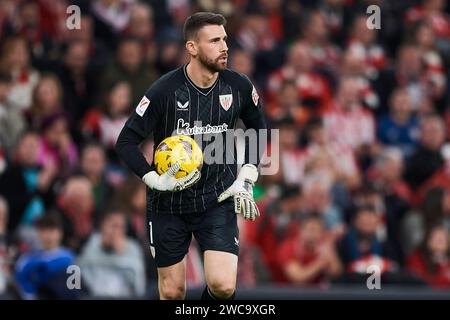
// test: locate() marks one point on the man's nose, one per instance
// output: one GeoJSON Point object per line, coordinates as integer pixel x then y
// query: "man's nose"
{"type": "Point", "coordinates": [225, 47]}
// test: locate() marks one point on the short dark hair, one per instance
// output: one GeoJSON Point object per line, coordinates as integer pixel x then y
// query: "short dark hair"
{"type": "Point", "coordinates": [49, 221]}
{"type": "Point", "coordinates": [200, 19]}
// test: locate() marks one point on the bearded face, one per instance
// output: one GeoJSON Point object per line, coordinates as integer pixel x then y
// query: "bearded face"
{"type": "Point", "coordinates": [213, 64]}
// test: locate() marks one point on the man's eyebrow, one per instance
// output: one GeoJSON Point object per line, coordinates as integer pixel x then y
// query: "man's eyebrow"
{"type": "Point", "coordinates": [218, 38]}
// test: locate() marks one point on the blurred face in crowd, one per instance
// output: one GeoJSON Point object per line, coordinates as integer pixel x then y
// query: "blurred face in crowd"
{"type": "Point", "coordinates": [300, 58]}
{"type": "Point", "coordinates": [366, 222]}
{"type": "Point", "coordinates": [141, 22]}
{"type": "Point", "coordinates": [113, 230]}
{"type": "Point", "coordinates": [77, 56]}
{"type": "Point", "coordinates": [18, 55]}
{"type": "Point", "coordinates": [77, 195]}
{"type": "Point", "coordinates": [425, 36]}
{"type": "Point", "coordinates": [85, 32]}
{"type": "Point", "coordinates": [408, 61]}
{"type": "Point", "coordinates": [30, 14]}
{"type": "Point", "coordinates": [28, 150]}
{"type": "Point", "coordinates": [210, 47]}
{"type": "Point", "coordinates": [311, 232]}
{"type": "Point", "coordinates": [288, 136]}
{"type": "Point", "coordinates": [93, 162]}
{"type": "Point", "coordinates": [317, 135]}
{"type": "Point", "coordinates": [348, 95]}
{"type": "Point", "coordinates": [242, 62]}
{"type": "Point", "coordinates": [317, 196]}
{"type": "Point", "coordinates": [120, 99]}
{"type": "Point", "coordinates": [438, 242]}
{"type": "Point", "coordinates": [432, 132]}
{"type": "Point", "coordinates": [56, 132]}
{"type": "Point", "coordinates": [289, 95]}
{"type": "Point", "coordinates": [400, 104]}
{"type": "Point", "coordinates": [257, 24]}
{"type": "Point", "coordinates": [130, 55]}
{"type": "Point", "coordinates": [48, 95]}
{"type": "Point", "coordinates": [49, 237]}
{"type": "Point", "coordinates": [353, 63]}
{"type": "Point", "coordinates": [317, 28]}
{"type": "Point", "coordinates": [391, 168]}
{"type": "Point", "coordinates": [361, 32]}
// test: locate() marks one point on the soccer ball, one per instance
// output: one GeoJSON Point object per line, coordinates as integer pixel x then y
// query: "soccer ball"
{"type": "Point", "coordinates": [178, 148]}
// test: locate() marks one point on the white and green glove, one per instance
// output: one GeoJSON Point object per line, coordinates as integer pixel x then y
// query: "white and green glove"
{"type": "Point", "coordinates": [242, 191]}
{"type": "Point", "coordinates": [168, 182]}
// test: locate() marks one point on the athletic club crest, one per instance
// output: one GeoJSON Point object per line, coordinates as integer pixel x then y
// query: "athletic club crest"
{"type": "Point", "coordinates": [226, 100]}
{"type": "Point", "coordinates": [255, 96]}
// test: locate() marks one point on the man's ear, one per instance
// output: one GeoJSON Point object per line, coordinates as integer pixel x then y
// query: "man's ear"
{"type": "Point", "coordinates": [191, 47]}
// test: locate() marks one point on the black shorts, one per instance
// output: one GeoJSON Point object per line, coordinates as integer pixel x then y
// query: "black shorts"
{"type": "Point", "coordinates": [171, 235]}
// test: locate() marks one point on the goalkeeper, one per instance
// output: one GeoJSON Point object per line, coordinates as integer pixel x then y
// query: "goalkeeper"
{"type": "Point", "coordinates": [204, 204]}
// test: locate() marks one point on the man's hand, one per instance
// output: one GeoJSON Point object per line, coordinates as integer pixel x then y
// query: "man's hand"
{"type": "Point", "coordinates": [168, 182]}
{"type": "Point", "coordinates": [242, 190]}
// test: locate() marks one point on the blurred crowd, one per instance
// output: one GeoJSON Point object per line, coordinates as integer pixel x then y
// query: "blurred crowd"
{"type": "Point", "coordinates": [364, 120]}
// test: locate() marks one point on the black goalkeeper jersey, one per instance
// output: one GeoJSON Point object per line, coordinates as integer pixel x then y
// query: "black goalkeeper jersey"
{"type": "Point", "coordinates": [174, 105]}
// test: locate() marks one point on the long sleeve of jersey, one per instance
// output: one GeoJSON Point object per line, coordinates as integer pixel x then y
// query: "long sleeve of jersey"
{"type": "Point", "coordinates": [138, 127]}
{"type": "Point", "coordinates": [252, 116]}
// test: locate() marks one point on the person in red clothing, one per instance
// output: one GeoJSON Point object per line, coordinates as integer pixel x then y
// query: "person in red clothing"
{"type": "Point", "coordinates": [431, 261]}
{"type": "Point", "coordinates": [309, 258]}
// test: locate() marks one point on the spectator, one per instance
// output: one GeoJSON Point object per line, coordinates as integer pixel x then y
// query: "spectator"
{"type": "Point", "coordinates": [363, 42]}
{"type": "Point", "coordinates": [76, 205]}
{"type": "Point", "coordinates": [112, 264]}
{"type": "Point", "coordinates": [321, 149]}
{"type": "Point", "coordinates": [349, 124]}
{"type": "Point", "coordinates": [434, 209]}
{"type": "Point", "coordinates": [288, 103]}
{"type": "Point", "coordinates": [129, 66]}
{"type": "Point", "coordinates": [57, 146]}
{"type": "Point", "coordinates": [93, 166]}
{"type": "Point", "coordinates": [11, 120]}
{"type": "Point", "coordinates": [105, 124]}
{"type": "Point", "coordinates": [47, 101]}
{"type": "Point", "coordinates": [32, 192]}
{"type": "Point", "coordinates": [41, 274]}
{"type": "Point", "coordinates": [141, 26]}
{"type": "Point", "coordinates": [111, 18]}
{"type": "Point", "coordinates": [315, 33]}
{"type": "Point", "coordinates": [313, 88]}
{"type": "Point", "coordinates": [252, 270]}
{"type": "Point", "coordinates": [309, 258]}
{"type": "Point", "coordinates": [15, 61]}
{"type": "Point", "coordinates": [399, 127]}
{"type": "Point", "coordinates": [360, 246]}
{"type": "Point", "coordinates": [427, 159]}
{"type": "Point", "coordinates": [318, 199]}
{"type": "Point", "coordinates": [79, 80]}
{"type": "Point", "coordinates": [431, 262]}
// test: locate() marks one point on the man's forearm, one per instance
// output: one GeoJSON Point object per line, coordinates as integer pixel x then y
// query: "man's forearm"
{"type": "Point", "coordinates": [127, 147]}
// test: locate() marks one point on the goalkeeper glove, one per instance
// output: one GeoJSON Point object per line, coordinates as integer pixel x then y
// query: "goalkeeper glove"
{"type": "Point", "coordinates": [242, 191]}
{"type": "Point", "coordinates": [168, 182]}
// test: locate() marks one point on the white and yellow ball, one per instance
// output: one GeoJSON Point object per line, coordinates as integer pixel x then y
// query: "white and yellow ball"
{"type": "Point", "coordinates": [178, 148]}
